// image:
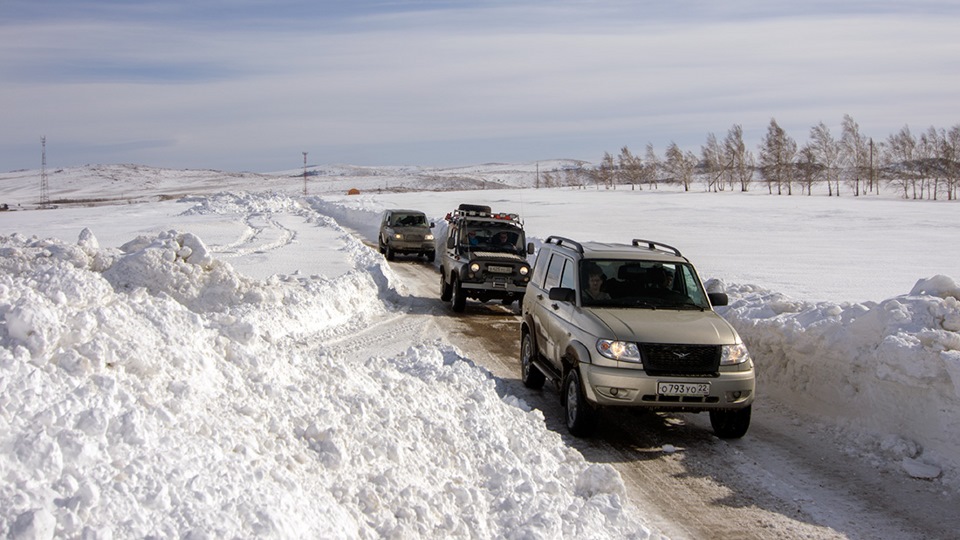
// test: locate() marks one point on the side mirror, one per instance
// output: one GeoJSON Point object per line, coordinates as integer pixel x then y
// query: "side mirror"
{"type": "Point", "coordinates": [431, 225]}
{"type": "Point", "coordinates": [530, 248]}
{"type": "Point", "coordinates": [562, 294]}
{"type": "Point", "coordinates": [718, 298]}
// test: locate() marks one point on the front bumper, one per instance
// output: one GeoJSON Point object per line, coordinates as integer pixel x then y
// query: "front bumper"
{"type": "Point", "coordinates": [620, 387]}
{"type": "Point", "coordinates": [401, 246]}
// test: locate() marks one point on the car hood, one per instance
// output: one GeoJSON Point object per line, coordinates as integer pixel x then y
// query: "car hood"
{"type": "Point", "coordinates": [667, 326]}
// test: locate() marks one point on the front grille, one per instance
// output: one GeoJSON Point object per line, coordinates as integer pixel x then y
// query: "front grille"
{"type": "Point", "coordinates": [413, 237]}
{"type": "Point", "coordinates": [673, 359]}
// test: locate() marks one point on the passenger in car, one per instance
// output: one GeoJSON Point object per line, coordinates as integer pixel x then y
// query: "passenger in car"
{"type": "Point", "coordinates": [594, 283]}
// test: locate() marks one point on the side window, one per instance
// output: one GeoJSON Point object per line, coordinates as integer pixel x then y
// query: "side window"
{"type": "Point", "coordinates": [554, 272]}
{"type": "Point", "coordinates": [569, 278]}
{"type": "Point", "coordinates": [540, 267]}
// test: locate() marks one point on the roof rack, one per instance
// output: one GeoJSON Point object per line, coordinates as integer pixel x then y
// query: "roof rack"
{"type": "Point", "coordinates": [656, 245]}
{"type": "Point", "coordinates": [461, 213]}
{"type": "Point", "coordinates": [559, 240]}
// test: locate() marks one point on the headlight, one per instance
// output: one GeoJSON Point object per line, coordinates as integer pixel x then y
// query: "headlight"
{"type": "Point", "coordinates": [397, 236]}
{"type": "Point", "coordinates": [524, 270]}
{"type": "Point", "coordinates": [474, 267]}
{"type": "Point", "coordinates": [619, 350]}
{"type": "Point", "coordinates": [428, 237]}
{"type": "Point", "coordinates": [732, 355]}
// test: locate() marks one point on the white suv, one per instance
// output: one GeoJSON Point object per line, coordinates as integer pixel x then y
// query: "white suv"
{"type": "Point", "coordinates": [630, 325]}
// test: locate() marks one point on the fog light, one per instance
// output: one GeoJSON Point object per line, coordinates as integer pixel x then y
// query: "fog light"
{"type": "Point", "coordinates": [737, 394]}
{"type": "Point", "coordinates": [614, 392]}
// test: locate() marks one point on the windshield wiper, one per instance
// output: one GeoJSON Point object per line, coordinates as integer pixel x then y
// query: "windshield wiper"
{"type": "Point", "coordinates": [685, 305]}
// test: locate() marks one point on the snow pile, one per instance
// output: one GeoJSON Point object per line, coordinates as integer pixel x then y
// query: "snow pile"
{"type": "Point", "coordinates": [152, 390]}
{"type": "Point", "coordinates": [886, 372]}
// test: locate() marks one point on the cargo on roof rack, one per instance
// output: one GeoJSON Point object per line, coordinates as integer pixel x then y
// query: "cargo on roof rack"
{"type": "Point", "coordinates": [461, 213]}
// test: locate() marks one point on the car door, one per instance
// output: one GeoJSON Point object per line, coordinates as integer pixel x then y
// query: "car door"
{"type": "Point", "coordinates": [550, 316]}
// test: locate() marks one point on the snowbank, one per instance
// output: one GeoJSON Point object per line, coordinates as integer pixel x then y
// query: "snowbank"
{"type": "Point", "coordinates": [153, 391]}
{"type": "Point", "coordinates": [885, 374]}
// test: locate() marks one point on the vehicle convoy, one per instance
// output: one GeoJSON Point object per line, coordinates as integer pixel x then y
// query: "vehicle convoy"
{"type": "Point", "coordinates": [484, 257]}
{"type": "Point", "coordinates": [406, 232]}
{"type": "Point", "coordinates": [630, 325]}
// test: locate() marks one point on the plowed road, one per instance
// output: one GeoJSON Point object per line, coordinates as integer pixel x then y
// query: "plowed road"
{"type": "Point", "coordinates": [782, 480]}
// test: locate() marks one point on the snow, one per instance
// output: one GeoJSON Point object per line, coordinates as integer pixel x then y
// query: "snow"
{"type": "Point", "coordinates": [238, 363]}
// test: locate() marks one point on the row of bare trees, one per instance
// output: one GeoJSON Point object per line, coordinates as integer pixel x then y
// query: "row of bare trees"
{"type": "Point", "coordinates": [927, 166]}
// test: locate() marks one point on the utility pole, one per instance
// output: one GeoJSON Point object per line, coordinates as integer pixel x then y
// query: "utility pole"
{"type": "Point", "coordinates": [304, 174]}
{"type": "Point", "coordinates": [44, 188]}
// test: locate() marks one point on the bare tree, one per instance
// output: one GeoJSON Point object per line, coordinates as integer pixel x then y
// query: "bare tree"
{"type": "Point", "coordinates": [740, 159]}
{"type": "Point", "coordinates": [630, 168]}
{"type": "Point", "coordinates": [713, 163]}
{"type": "Point", "coordinates": [826, 153]}
{"type": "Point", "coordinates": [651, 167]}
{"type": "Point", "coordinates": [680, 165]}
{"type": "Point", "coordinates": [604, 173]}
{"type": "Point", "coordinates": [932, 153]}
{"type": "Point", "coordinates": [809, 169]}
{"type": "Point", "coordinates": [902, 150]}
{"type": "Point", "coordinates": [548, 179]}
{"type": "Point", "coordinates": [952, 156]}
{"type": "Point", "coordinates": [777, 152]}
{"type": "Point", "coordinates": [854, 155]}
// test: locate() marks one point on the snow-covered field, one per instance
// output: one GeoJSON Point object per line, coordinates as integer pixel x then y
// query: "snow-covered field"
{"type": "Point", "coordinates": [237, 363]}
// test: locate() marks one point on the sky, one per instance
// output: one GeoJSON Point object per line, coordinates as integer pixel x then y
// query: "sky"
{"type": "Point", "coordinates": [246, 364]}
{"type": "Point", "coordinates": [251, 85]}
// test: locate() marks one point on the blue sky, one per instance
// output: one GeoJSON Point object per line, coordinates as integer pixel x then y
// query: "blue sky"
{"type": "Point", "coordinates": [250, 85]}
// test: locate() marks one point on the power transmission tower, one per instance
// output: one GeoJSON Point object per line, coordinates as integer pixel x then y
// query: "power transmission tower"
{"type": "Point", "coordinates": [304, 174]}
{"type": "Point", "coordinates": [44, 188]}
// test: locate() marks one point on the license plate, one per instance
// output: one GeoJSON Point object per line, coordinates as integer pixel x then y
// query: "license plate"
{"type": "Point", "coordinates": [682, 389]}
{"type": "Point", "coordinates": [500, 269]}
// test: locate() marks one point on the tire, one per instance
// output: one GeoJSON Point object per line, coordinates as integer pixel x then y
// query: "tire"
{"type": "Point", "coordinates": [459, 301]}
{"type": "Point", "coordinates": [390, 253]}
{"type": "Point", "coordinates": [431, 256]}
{"type": "Point", "coordinates": [445, 289]}
{"type": "Point", "coordinates": [580, 415]}
{"type": "Point", "coordinates": [529, 374]}
{"type": "Point", "coordinates": [380, 245]}
{"type": "Point", "coordinates": [730, 423]}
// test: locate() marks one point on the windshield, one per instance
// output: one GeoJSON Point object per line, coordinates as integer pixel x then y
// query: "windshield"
{"type": "Point", "coordinates": [409, 220]}
{"type": "Point", "coordinates": [644, 284]}
{"type": "Point", "coordinates": [493, 237]}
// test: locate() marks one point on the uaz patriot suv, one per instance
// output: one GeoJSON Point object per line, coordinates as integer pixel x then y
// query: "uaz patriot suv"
{"type": "Point", "coordinates": [630, 325]}
{"type": "Point", "coordinates": [485, 257]}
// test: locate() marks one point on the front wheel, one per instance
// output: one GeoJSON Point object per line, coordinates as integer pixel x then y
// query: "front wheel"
{"type": "Point", "coordinates": [431, 256]}
{"type": "Point", "coordinates": [529, 374]}
{"type": "Point", "coordinates": [445, 290]}
{"type": "Point", "coordinates": [730, 423]}
{"type": "Point", "coordinates": [580, 414]}
{"type": "Point", "coordinates": [390, 253]}
{"type": "Point", "coordinates": [459, 300]}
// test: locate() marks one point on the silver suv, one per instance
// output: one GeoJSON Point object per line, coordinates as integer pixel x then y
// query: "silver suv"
{"type": "Point", "coordinates": [630, 325]}
{"type": "Point", "coordinates": [406, 231]}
